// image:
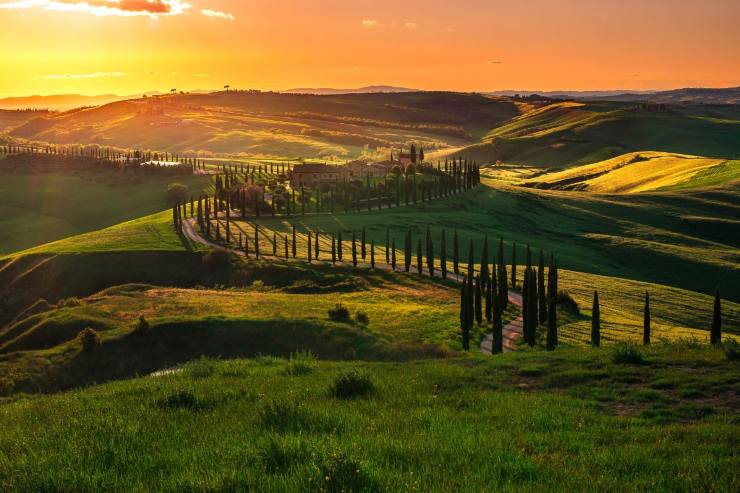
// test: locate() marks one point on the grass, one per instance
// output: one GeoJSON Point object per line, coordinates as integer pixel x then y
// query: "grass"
{"type": "Point", "coordinates": [468, 424]}
{"type": "Point", "coordinates": [641, 172]}
{"type": "Point", "coordinates": [40, 208]}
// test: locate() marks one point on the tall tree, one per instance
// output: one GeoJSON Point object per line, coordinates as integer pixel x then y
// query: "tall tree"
{"type": "Point", "coordinates": [387, 246]}
{"type": "Point", "coordinates": [542, 302]}
{"type": "Point", "coordinates": [471, 262]}
{"type": "Point", "coordinates": [419, 262]}
{"type": "Point", "coordinates": [503, 285]}
{"type": "Point", "coordinates": [533, 302]}
{"type": "Point", "coordinates": [488, 297]}
{"type": "Point", "coordinates": [354, 249]}
{"type": "Point", "coordinates": [596, 322]}
{"type": "Point", "coordinates": [393, 254]}
{"type": "Point", "coordinates": [646, 320]}
{"type": "Point", "coordinates": [525, 306]}
{"type": "Point", "coordinates": [363, 251]}
{"type": "Point", "coordinates": [443, 255]}
{"type": "Point", "coordinates": [333, 249]}
{"type": "Point", "coordinates": [513, 266]}
{"type": "Point", "coordinates": [478, 302]}
{"type": "Point", "coordinates": [339, 246]}
{"type": "Point", "coordinates": [715, 334]}
{"type": "Point", "coordinates": [317, 251]}
{"type": "Point", "coordinates": [309, 250]}
{"type": "Point", "coordinates": [484, 259]}
{"type": "Point", "coordinates": [430, 253]}
{"type": "Point", "coordinates": [372, 254]}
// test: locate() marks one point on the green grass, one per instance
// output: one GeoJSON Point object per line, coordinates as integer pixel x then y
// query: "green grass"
{"type": "Point", "coordinates": [40, 208]}
{"type": "Point", "coordinates": [727, 172]}
{"type": "Point", "coordinates": [569, 421]}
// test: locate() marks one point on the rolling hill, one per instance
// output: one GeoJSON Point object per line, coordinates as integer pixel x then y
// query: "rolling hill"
{"type": "Point", "coordinates": [641, 172]}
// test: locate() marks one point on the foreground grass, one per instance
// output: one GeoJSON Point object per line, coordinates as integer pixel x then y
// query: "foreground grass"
{"type": "Point", "coordinates": [569, 421]}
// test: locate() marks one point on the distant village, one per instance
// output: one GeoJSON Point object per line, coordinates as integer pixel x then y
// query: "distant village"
{"type": "Point", "coordinates": [312, 175]}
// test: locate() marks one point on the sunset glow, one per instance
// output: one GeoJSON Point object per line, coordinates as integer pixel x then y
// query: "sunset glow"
{"type": "Point", "coordinates": [132, 46]}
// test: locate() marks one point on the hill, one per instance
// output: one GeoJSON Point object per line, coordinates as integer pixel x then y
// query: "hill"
{"type": "Point", "coordinates": [641, 172]}
{"type": "Point", "coordinates": [572, 133]}
{"type": "Point", "coordinates": [359, 90]}
{"type": "Point", "coordinates": [58, 102]}
{"type": "Point", "coordinates": [279, 125]}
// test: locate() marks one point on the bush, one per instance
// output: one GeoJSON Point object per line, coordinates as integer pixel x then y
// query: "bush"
{"type": "Point", "coordinates": [89, 339]}
{"type": "Point", "coordinates": [142, 327]}
{"type": "Point", "coordinates": [177, 193]}
{"type": "Point", "coordinates": [301, 363]}
{"type": "Point", "coordinates": [567, 303]}
{"type": "Point", "coordinates": [351, 385]}
{"type": "Point", "coordinates": [339, 314]}
{"type": "Point", "coordinates": [627, 354]}
{"type": "Point", "coordinates": [732, 350]}
{"type": "Point", "coordinates": [336, 472]}
{"type": "Point", "coordinates": [183, 399]}
{"type": "Point", "coordinates": [362, 318]}
{"type": "Point", "coordinates": [218, 258]}
{"type": "Point", "coordinates": [202, 367]}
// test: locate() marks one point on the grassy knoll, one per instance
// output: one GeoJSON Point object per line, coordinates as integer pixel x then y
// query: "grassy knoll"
{"type": "Point", "coordinates": [571, 133]}
{"type": "Point", "coordinates": [642, 172]}
{"type": "Point", "coordinates": [570, 421]}
{"type": "Point", "coordinates": [39, 208]}
{"type": "Point", "coordinates": [644, 237]}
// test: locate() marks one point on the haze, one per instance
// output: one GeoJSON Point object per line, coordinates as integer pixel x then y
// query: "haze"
{"type": "Point", "coordinates": [132, 46]}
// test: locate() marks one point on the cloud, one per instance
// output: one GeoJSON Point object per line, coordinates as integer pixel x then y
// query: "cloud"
{"type": "Point", "coordinates": [93, 75]}
{"type": "Point", "coordinates": [370, 23]}
{"type": "Point", "coordinates": [411, 25]}
{"type": "Point", "coordinates": [217, 14]}
{"type": "Point", "coordinates": [495, 62]}
{"type": "Point", "coordinates": [123, 8]}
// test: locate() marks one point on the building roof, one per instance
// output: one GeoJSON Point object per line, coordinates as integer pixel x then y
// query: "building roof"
{"type": "Point", "coordinates": [315, 168]}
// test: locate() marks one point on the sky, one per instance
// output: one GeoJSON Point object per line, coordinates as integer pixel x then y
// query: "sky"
{"type": "Point", "coordinates": [127, 47]}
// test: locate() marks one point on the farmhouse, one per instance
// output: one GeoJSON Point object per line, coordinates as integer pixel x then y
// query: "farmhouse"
{"type": "Point", "coordinates": [361, 169]}
{"type": "Point", "coordinates": [311, 175]}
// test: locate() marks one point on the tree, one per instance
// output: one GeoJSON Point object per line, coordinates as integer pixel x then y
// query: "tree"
{"type": "Point", "coordinates": [498, 331]}
{"type": "Point", "coordinates": [488, 297]}
{"type": "Point", "coordinates": [333, 249]}
{"type": "Point", "coordinates": [362, 245]}
{"type": "Point", "coordinates": [387, 246]}
{"type": "Point", "coordinates": [354, 249]}
{"type": "Point", "coordinates": [525, 306]}
{"type": "Point", "coordinates": [478, 301]}
{"type": "Point", "coordinates": [339, 246]}
{"type": "Point", "coordinates": [471, 261]}
{"type": "Point", "coordinates": [421, 154]}
{"type": "Point", "coordinates": [715, 334]}
{"type": "Point", "coordinates": [455, 254]}
{"type": "Point", "coordinates": [541, 289]}
{"type": "Point", "coordinates": [646, 320]}
{"type": "Point", "coordinates": [430, 253]}
{"type": "Point", "coordinates": [317, 251]}
{"type": "Point", "coordinates": [513, 266]}
{"type": "Point", "coordinates": [596, 322]}
{"type": "Point", "coordinates": [503, 285]}
{"type": "Point", "coordinates": [372, 254]}
{"type": "Point", "coordinates": [393, 254]}
{"type": "Point", "coordinates": [443, 255]}
{"type": "Point", "coordinates": [294, 243]}
{"type": "Point", "coordinates": [413, 154]}
{"type": "Point", "coordinates": [177, 193]}
{"type": "Point", "coordinates": [533, 302]}
{"type": "Point", "coordinates": [419, 262]}
{"type": "Point", "coordinates": [309, 247]}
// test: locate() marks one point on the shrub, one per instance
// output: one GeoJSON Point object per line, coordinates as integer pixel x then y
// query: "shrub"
{"type": "Point", "coordinates": [627, 354]}
{"type": "Point", "coordinates": [339, 314]}
{"type": "Point", "coordinates": [301, 363]}
{"type": "Point", "coordinates": [177, 193]}
{"type": "Point", "coordinates": [202, 367]}
{"type": "Point", "coordinates": [362, 318]}
{"type": "Point", "coordinates": [142, 327]}
{"type": "Point", "coordinates": [336, 472]}
{"type": "Point", "coordinates": [567, 303]}
{"type": "Point", "coordinates": [732, 350]}
{"type": "Point", "coordinates": [351, 385]}
{"type": "Point", "coordinates": [218, 258]}
{"type": "Point", "coordinates": [89, 339]}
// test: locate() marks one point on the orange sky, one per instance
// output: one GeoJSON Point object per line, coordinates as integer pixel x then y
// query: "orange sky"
{"type": "Point", "coordinates": [131, 46]}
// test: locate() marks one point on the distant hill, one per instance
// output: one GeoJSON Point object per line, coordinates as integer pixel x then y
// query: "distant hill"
{"type": "Point", "coordinates": [360, 90]}
{"type": "Point", "coordinates": [729, 95]}
{"type": "Point", "coordinates": [59, 102]}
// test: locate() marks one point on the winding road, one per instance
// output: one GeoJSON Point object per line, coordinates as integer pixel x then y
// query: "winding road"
{"type": "Point", "coordinates": [511, 331]}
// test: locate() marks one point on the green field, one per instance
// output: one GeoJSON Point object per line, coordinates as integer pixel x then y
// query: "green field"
{"type": "Point", "coordinates": [574, 420]}
{"type": "Point", "coordinates": [40, 208]}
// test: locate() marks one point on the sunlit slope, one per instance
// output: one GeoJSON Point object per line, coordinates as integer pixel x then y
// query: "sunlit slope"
{"type": "Point", "coordinates": [280, 125]}
{"type": "Point", "coordinates": [571, 133]}
{"type": "Point", "coordinates": [639, 172]}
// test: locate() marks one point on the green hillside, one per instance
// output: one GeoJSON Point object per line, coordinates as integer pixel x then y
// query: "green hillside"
{"type": "Point", "coordinates": [571, 133]}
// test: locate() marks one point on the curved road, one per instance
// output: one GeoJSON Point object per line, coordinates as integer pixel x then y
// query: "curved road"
{"type": "Point", "coordinates": [512, 331]}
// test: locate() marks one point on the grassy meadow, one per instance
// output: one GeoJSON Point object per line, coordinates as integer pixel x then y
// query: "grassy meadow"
{"type": "Point", "coordinates": [575, 420]}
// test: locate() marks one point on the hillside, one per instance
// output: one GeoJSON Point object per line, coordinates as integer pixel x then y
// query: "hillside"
{"type": "Point", "coordinates": [641, 172]}
{"type": "Point", "coordinates": [280, 125]}
{"type": "Point", "coordinates": [571, 133]}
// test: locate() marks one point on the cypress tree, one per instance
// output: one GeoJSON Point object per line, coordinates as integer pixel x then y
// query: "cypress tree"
{"type": "Point", "coordinates": [274, 244]}
{"type": "Point", "coordinates": [256, 241]}
{"type": "Point", "coordinates": [646, 320]}
{"type": "Point", "coordinates": [525, 306]}
{"type": "Point", "coordinates": [354, 249]}
{"type": "Point", "coordinates": [498, 331]}
{"type": "Point", "coordinates": [464, 315]}
{"type": "Point", "coordinates": [419, 257]}
{"type": "Point", "coordinates": [455, 254]}
{"type": "Point", "coordinates": [294, 243]}
{"type": "Point", "coordinates": [430, 253]}
{"type": "Point", "coordinates": [309, 248]}
{"type": "Point", "coordinates": [533, 302]}
{"type": "Point", "coordinates": [552, 325]}
{"type": "Point", "coordinates": [387, 246]}
{"type": "Point", "coordinates": [596, 322]}
{"type": "Point", "coordinates": [715, 334]}
{"type": "Point", "coordinates": [362, 245]}
{"type": "Point", "coordinates": [484, 259]}
{"type": "Point", "coordinates": [393, 254]}
{"type": "Point", "coordinates": [372, 254]}
{"type": "Point", "coordinates": [333, 249]}
{"type": "Point", "coordinates": [317, 251]}
{"type": "Point", "coordinates": [542, 302]}
{"type": "Point", "coordinates": [443, 255]}
{"type": "Point", "coordinates": [471, 262]}
{"type": "Point", "coordinates": [478, 302]}
{"type": "Point", "coordinates": [513, 266]}
{"type": "Point", "coordinates": [339, 246]}
{"type": "Point", "coordinates": [503, 285]}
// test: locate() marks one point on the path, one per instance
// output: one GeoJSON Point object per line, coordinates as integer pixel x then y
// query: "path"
{"type": "Point", "coordinates": [512, 331]}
